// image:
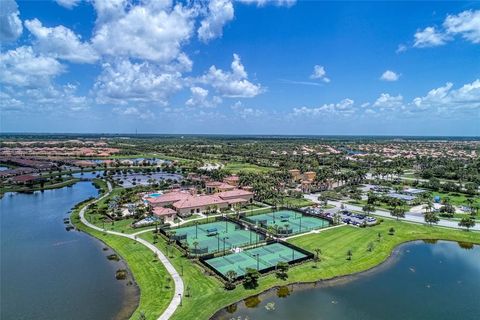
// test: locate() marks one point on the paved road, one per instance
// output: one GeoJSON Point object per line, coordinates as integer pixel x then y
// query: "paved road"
{"type": "Point", "coordinates": [408, 217]}
{"type": "Point", "coordinates": [179, 287]}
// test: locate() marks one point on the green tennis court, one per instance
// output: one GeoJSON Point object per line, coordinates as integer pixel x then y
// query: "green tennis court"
{"type": "Point", "coordinates": [286, 222]}
{"type": "Point", "coordinates": [259, 258]}
{"type": "Point", "coordinates": [215, 236]}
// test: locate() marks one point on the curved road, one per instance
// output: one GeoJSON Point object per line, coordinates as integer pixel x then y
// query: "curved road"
{"type": "Point", "coordinates": [408, 216]}
{"type": "Point", "coordinates": [179, 287]}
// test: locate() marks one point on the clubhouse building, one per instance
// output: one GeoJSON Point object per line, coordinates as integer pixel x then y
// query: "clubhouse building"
{"type": "Point", "coordinates": [219, 196]}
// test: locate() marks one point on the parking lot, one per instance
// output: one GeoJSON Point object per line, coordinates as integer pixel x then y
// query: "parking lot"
{"type": "Point", "coordinates": [348, 217]}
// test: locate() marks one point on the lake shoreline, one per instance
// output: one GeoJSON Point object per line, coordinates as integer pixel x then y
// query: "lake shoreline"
{"type": "Point", "coordinates": [389, 262]}
{"type": "Point", "coordinates": [131, 299]}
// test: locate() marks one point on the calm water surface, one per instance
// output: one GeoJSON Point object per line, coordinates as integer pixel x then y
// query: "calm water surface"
{"type": "Point", "coordinates": [49, 273]}
{"type": "Point", "coordinates": [426, 281]}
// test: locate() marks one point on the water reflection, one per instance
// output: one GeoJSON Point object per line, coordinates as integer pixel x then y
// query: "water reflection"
{"type": "Point", "coordinates": [427, 276]}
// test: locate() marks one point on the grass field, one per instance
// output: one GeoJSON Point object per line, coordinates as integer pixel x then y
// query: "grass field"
{"type": "Point", "coordinates": [294, 202]}
{"type": "Point", "coordinates": [208, 296]}
{"type": "Point", "coordinates": [236, 167]}
{"type": "Point", "coordinates": [205, 294]}
{"type": "Point", "coordinates": [149, 273]}
{"type": "Point", "coordinates": [457, 199]}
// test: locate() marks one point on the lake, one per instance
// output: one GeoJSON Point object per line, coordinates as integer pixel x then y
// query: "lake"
{"type": "Point", "coordinates": [50, 273]}
{"type": "Point", "coordinates": [422, 281]}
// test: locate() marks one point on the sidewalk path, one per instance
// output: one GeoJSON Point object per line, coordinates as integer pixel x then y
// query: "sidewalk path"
{"type": "Point", "coordinates": [179, 287]}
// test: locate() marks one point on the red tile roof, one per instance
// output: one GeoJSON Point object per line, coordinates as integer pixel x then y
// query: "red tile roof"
{"type": "Point", "coordinates": [160, 211]}
{"type": "Point", "coordinates": [199, 201]}
{"type": "Point", "coordinates": [236, 193]}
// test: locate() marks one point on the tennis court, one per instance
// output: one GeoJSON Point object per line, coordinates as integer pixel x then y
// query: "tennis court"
{"type": "Point", "coordinates": [287, 222]}
{"type": "Point", "coordinates": [216, 236]}
{"type": "Point", "coordinates": [259, 258]}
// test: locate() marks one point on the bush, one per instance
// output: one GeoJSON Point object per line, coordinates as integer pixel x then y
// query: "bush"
{"type": "Point", "coordinates": [121, 274]}
{"type": "Point", "coordinates": [113, 256]}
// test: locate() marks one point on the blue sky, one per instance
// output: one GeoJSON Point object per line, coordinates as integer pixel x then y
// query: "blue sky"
{"type": "Point", "coordinates": [240, 67]}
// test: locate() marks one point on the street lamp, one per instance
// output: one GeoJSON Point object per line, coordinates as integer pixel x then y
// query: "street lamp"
{"type": "Point", "coordinates": [180, 296]}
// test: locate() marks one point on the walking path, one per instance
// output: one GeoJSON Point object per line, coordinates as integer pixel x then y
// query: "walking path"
{"type": "Point", "coordinates": [408, 216]}
{"type": "Point", "coordinates": [179, 287]}
{"type": "Point", "coordinates": [314, 231]}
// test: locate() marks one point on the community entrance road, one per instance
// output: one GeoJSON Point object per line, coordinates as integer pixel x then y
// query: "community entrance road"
{"type": "Point", "coordinates": [179, 287]}
{"type": "Point", "coordinates": [411, 217]}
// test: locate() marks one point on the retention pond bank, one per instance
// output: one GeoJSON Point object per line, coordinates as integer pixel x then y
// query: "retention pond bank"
{"type": "Point", "coordinates": [50, 273]}
{"type": "Point", "coordinates": [424, 281]}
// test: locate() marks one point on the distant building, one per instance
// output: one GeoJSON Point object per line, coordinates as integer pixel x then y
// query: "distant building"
{"type": "Point", "coordinates": [310, 175]}
{"type": "Point", "coordinates": [217, 186]}
{"type": "Point", "coordinates": [27, 179]}
{"type": "Point", "coordinates": [232, 180]}
{"type": "Point", "coordinates": [166, 214]}
{"type": "Point", "coordinates": [295, 174]}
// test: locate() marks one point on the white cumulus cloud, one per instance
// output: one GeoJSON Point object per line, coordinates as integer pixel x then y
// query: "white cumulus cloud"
{"type": "Point", "coordinates": [200, 98]}
{"type": "Point", "coordinates": [466, 24]}
{"type": "Point", "coordinates": [10, 24]}
{"type": "Point", "coordinates": [123, 82]}
{"type": "Point", "coordinates": [69, 4]}
{"type": "Point", "coordinates": [24, 68]}
{"type": "Point", "coordinates": [279, 3]}
{"type": "Point", "coordinates": [466, 97]}
{"type": "Point", "coordinates": [232, 83]}
{"type": "Point", "coordinates": [319, 73]}
{"type": "Point", "coordinates": [390, 75]}
{"type": "Point", "coordinates": [152, 31]}
{"type": "Point", "coordinates": [429, 37]}
{"type": "Point", "coordinates": [387, 101]}
{"type": "Point", "coordinates": [219, 13]}
{"type": "Point", "coordinates": [61, 42]}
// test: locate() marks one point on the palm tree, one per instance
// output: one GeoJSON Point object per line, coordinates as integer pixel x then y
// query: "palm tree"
{"type": "Point", "coordinates": [195, 245]}
{"type": "Point", "coordinates": [428, 206]}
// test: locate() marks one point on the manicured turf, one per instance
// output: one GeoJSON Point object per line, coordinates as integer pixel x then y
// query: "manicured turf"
{"type": "Point", "coordinates": [149, 273]}
{"type": "Point", "coordinates": [205, 294]}
{"type": "Point", "coordinates": [208, 295]}
{"type": "Point", "coordinates": [456, 199]}
{"type": "Point", "coordinates": [236, 167]}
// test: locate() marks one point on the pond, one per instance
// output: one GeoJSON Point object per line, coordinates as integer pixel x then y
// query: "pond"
{"type": "Point", "coordinates": [422, 281]}
{"type": "Point", "coordinates": [50, 273]}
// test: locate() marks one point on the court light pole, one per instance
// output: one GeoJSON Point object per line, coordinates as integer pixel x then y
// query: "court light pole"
{"type": "Point", "coordinates": [258, 263]}
{"type": "Point", "coordinates": [196, 229]}
{"type": "Point", "coordinates": [224, 240]}
{"type": "Point", "coordinates": [218, 243]}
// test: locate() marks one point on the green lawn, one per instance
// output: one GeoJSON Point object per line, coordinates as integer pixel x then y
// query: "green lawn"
{"type": "Point", "coordinates": [208, 296]}
{"type": "Point", "coordinates": [296, 202]}
{"type": "Point", "coordinates": [236, 167]}
{"type": "Point", "coordinates": [149, 273]}
{"type": "Point", "coordinates": [456, 199]}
